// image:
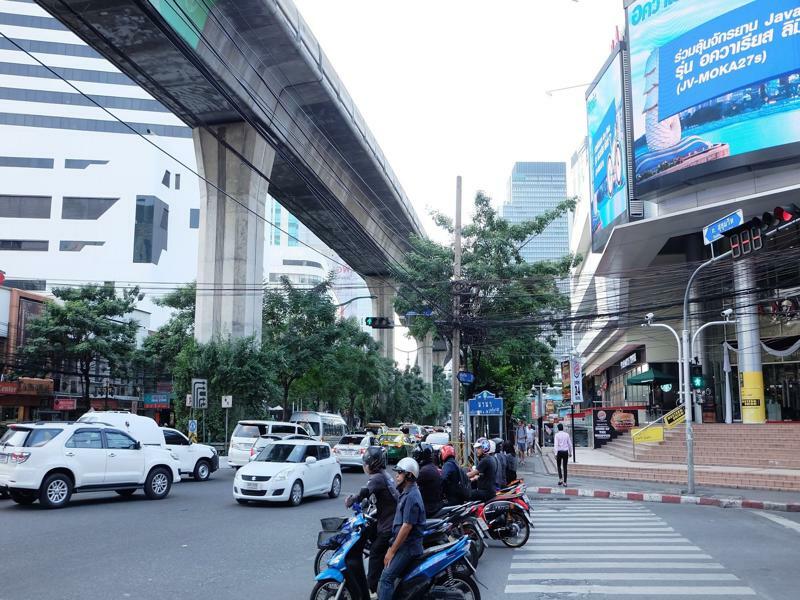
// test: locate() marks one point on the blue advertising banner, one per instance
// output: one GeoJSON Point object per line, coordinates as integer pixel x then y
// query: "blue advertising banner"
{"type": "Point", "coordinates": [607, 153]}
{"type": "Point", "coordinates": [756, 42]}
{"type": "Point", "coordinates": [710, 80]}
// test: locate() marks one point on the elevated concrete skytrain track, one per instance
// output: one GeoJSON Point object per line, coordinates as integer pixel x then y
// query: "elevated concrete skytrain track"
{"type": "Point", "coordinates": [269, 114]}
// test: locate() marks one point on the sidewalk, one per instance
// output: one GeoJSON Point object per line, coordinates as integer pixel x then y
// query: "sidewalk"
{"type": "Point", "coordinates": [539, 475]}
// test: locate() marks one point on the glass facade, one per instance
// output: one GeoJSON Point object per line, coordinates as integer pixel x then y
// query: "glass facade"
{"type": "Point", "coordinates": [534, 189]}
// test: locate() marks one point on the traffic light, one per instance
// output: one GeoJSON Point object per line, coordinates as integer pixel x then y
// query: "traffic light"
{"type": "Point", "coordinates": [379, 323]}
{"type": "Point", "coordinates": [749, 237]}
{"type": "Point", "coordinates": [697, 379]}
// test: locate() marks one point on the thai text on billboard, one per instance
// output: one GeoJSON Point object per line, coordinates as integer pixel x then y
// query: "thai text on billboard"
{"type": "Point", "coordinates": [711, 80]}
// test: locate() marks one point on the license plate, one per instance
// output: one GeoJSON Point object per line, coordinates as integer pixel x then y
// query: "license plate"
{"type": "Point", "coordinates": [248, 485]}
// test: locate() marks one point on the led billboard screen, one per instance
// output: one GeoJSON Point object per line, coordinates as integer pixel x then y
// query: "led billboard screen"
{"type": "Point", "coordinates": [715, 85]}
{"type": "Point", "coordinates": [605, 110]}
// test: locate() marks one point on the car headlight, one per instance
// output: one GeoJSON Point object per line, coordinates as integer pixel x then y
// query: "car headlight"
{"type": "Point", "coordinates": [282, 475]}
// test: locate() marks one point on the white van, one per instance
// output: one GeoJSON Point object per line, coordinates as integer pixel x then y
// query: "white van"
{"type": "Point", "coordinates": [197, 460]}
{"type": "Point", "coordinates": [326, 427]}
{"type": "Point", "coordinates": [248, 431]}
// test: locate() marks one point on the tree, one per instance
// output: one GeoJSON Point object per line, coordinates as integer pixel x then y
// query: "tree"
{"type": "Point", "coordinates": [298, 328]}
{"type": "Point", "coordinates": [84, 326]}
{"type": "Point", "coordinates": [510, 310]}
{"type": "Point", "coordinates": [160, 349]}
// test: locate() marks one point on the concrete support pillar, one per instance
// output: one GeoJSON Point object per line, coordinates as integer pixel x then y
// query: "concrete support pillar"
{"type": "Point", "coordinates": [751, 376]}
{"type": "Point", "coordinates": [425, 357]}
{"type": "Point", "coordinates": [231, 245]}
{"type": "Point", "coordinates": [383, 306]}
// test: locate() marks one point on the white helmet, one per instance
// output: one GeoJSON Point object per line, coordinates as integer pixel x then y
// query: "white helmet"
{"type": "Point", "coordinates": [407, 465]}
{"type": "Point", "coordinates": [492, 447]}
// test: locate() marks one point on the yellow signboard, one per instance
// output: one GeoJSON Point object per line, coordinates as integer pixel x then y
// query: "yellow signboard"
{"type": "Point", "coordinates": [675, 417]}
{"type": "Point", "coordinates": [648, 434]}
{"type": "Point", "coordinates": [752, 394]}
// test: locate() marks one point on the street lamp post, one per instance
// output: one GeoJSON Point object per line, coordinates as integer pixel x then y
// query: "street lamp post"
{"type": "Point", "coordinates": [354, 299]}
{"type": "Point", "coordinates": [648, 323]}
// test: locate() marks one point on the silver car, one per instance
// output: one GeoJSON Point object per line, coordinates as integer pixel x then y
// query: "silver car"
{"type": "Point", "coordinates": [351, 448]}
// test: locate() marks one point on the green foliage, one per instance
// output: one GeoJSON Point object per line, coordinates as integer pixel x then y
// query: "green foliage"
{"type": "Point", "coordinates": [503, 303]}
{"type": "Point", "coordinates": [161, 349]}
{"type": "Point", "coordinates": [87, 324]}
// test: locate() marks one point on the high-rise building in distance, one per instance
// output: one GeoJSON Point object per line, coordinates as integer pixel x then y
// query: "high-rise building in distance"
{"type": "Point", "coordinates": [533, 189]}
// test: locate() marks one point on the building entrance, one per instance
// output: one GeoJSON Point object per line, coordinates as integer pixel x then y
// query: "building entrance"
{"type": "Point", "coordinates": [782, 391]}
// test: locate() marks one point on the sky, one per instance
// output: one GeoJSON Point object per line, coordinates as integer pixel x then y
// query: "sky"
{"type": "Point", "coordinates": [458, 87]}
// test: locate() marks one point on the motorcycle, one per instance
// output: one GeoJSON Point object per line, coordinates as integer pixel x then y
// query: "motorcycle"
{"type": "Point", "coordinates": [506, 517]}
{"type": "Point", "coordinates": [439, 574]}
{"type": "Point", "coordinates": [451, 524]}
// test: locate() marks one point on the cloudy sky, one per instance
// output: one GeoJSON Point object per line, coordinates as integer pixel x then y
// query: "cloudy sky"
{"type": "Point", "coordinates": [458, 87]}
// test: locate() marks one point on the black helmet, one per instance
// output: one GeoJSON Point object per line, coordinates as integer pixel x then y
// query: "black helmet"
{"type": "Point", "coordinates": [423, 454]}
{"type": "Point", "coordinates": [374, 458]}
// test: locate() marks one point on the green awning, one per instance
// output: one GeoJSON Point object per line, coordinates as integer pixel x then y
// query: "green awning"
{"type": "Point", "coordinates": [650, 377]}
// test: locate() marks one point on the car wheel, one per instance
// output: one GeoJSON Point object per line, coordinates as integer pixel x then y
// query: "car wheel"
{"type": "Point", "coordinates": [296, 493]}
{"type": "Point", "coordinates": [4, 495]}
{"type": "Point", "coordinates": [158, 483]}
{"type": "Point", "coordinates": [125, 493]}
{"type": "Point", "coordinates": [336, 487]}
{"type": "Point", "coordinates": [242, 501]}
{"type": "Point", "coordinates": [23, 498]}
{"type": "Point", "coordinates": [202, 470]}
{"type": "Point", "coordinates": [56, 491]}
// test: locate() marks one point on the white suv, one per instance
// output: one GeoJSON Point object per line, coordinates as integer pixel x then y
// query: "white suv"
{"type": "Point", "coordinates": [50, 461]}
{"type": "Point", "coordinates": [197, 460]}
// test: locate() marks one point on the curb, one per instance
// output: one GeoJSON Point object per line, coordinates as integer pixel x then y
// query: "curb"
{"type": "Point", "coordinates": [670, 498]}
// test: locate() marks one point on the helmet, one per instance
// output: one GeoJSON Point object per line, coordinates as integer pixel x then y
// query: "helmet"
{"type": "Point", "coordinates": [447, 452]}
{"type": "Point", "coordinates": [492, 447]}
{"type": "Point", "coordinates": [374, 458]}
{"type": "Point", "coordinates": [408, 465]}
{"type": "Point", "coordinates": [423, 453]}
{"type": "Point", "coordinates": [483, 444]}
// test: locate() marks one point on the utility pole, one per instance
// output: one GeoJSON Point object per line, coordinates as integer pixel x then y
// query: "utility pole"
{"type": "Point", "coordinates": [455, 428]}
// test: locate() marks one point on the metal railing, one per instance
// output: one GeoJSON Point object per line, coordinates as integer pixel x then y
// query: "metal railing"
{"type": "Point", "coordinates": [661, 420]}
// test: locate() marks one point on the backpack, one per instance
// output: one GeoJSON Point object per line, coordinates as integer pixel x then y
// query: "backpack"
{"type": "Point", "coordinates": [500, 473]}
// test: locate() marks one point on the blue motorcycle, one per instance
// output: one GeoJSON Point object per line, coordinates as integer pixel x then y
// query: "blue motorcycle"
{"type": "Point", "coordinates": [441, 573]}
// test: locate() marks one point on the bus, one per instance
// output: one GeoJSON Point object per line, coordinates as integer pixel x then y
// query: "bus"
{"type": "Point", "coordinates": [325, 427]}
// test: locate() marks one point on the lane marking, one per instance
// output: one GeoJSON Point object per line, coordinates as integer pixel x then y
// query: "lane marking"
{"type": "Point", "coordinates": [609, 536]}
{"type": "Point", "coordinates": [684, 547]}
{"type": "Point", "coordinates": [585, 529]}
{"type": "Point", "coordinates": [789, 524]}
{"type": "Point", "coordinates": [614, 565]}
{"type": "Point", "coordinates": [579, 554]}
{"type": "Point", "coordinates": [565, 541]}
{"type": "Point", "coordinates": [649, 590]}
{"type": "Point", "coordinates": [653, 575]}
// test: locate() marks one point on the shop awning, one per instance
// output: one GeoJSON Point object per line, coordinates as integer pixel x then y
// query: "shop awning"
{"type": "Point", "coordinates": [650, 377]}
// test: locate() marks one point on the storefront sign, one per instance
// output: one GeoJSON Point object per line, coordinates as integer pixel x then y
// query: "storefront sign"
{"type": "Point", "coordinates": [648, 434]}
{"type": "Point", "coordinates": [566, 380]}
{"type": "Point", "coordinates": [29, 386]}
{"type": "Point", "coordinates": [152, 401]}
{"type": "Point", "coordinates": [628, 361]}
{"type": "Point", "coordinates": [65, 404]}
{"type": "Point", "coordinates": [675, 417]}
{"type": "Point", "coordinates": [577, 382]}
{"type": "Point", "coordinates": [610, 422]}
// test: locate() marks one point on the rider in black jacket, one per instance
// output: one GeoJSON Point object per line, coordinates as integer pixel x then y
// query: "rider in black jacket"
{"type": "Point", "coordinates": [429, 480]}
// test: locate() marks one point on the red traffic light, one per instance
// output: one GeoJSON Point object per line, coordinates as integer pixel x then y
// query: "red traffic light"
{"type": "Point", "coordinates": [786, 214]}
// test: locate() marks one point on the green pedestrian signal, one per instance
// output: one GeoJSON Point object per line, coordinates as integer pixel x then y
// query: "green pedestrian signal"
{"type": "Point", "coordinates": [697, 380]}
{"type": "Point", "coordinates": [379, 323]}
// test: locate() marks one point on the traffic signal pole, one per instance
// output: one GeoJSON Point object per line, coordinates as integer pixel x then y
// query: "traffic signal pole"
{"type": "Point", "coordinates": [455, 428]}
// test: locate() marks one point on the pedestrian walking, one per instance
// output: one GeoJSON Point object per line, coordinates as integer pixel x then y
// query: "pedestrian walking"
{"type": "Point", "coordinates": [522, 441]}
{"type": "Point", "coordinates": [530, 436]}
{"type": "Point", "coordinates": [562, 446]}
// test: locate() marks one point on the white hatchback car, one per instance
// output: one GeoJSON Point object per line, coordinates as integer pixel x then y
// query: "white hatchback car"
{"type": "Point", "coordinates": [49, 461]}
{"type": "Point", "coordinates": [287, 471]}
{"type": "Point", "coordinates": [351, 448]}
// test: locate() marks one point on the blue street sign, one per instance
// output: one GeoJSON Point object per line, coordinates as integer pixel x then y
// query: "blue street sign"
{"type": "Point", "coordinates": [465, 377]}
{"type": "Point", "coordinates": [193, 426]}
{"type": "Point", "coordinates": [485, 404]}
{"type": "Point", "coordinates": [714, 231]}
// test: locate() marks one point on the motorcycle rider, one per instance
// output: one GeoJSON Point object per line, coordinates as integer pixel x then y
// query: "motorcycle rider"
{"type": "Point", "coordinates": [485, 472]}
{"type": "Point", "coordinates": [408, 525]}
{"type": "Point", "coordinates": [429, 480]}
{"type": "Point", "coordinates": [452, 486]}
{"type": "Point", "coordinates": [381, 485]}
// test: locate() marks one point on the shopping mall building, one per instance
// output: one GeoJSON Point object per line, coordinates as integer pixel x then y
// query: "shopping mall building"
{"type": "Point", "coordinates": [695, 116]}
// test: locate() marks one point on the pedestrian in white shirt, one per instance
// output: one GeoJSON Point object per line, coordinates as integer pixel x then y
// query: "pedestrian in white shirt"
{"type": "Point", "coordinates": [529, 435]}
{"type": "Point", "coordinates": [562, 446]}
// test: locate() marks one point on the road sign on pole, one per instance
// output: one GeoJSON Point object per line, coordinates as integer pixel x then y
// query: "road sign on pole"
{"type": "Point", "coordinates": [227, 401]}
{"type": "Point", "coordinates": [189, 400]}
{"type": "Point", "coordinates": [714, 231]}
{"type": "Point", "coordinates": [193, 430]}
{"type": "Point", "coordinates": [200, 393]}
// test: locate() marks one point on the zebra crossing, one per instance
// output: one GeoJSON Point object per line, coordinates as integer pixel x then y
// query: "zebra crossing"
{"type": "Point", "coordinates": [610, 547]}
